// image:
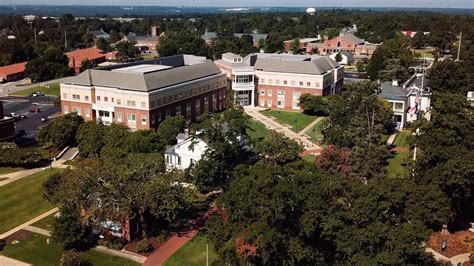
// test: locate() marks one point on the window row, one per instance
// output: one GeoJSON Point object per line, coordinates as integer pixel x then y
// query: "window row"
{"type": "Point", "coordinates": [292, 83]}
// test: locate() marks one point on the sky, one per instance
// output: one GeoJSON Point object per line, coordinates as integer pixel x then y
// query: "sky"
{"type": "Point", "coordinates": [251, 3]}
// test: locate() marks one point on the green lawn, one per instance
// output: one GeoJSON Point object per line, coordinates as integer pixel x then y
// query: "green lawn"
{"type": "Point", "coordinates": [425, 53]}
{"type": "Point", "coordinates": [45, 223]}
{"type": "Point", "coordinates": [7, 170]}
{"type": "Point", "coordinates": [23, 200]}
{"type": "Point", "coordinates": [309, 158]}
{"type": "Point", "coordinates": [315, 132]}
{"type": "Point", "coordinates": [53, 90]}
{"type": "Point", "coordinates": [257, 130]}
{"type": "Point", "coordinates": [296, 120]}
{"type": "Point", "coordinates": [35, 250]}
{"type": "Point", "coordinates": [395, 168]}
{"type": "Point", "coordinates": [193, 253]}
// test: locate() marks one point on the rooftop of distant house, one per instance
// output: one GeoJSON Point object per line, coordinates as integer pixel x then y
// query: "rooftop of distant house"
{"type": "Point", "coordinates": [12, 69]}
{"type": "Point", "coordinates": [142, 38]}
{"type": "Point", "coordinates": [394, 91]}
{"type": "Point", "coordinates": [350, 38]}
{"type": "Point", "coordinates": [99, 33]}
{"type": "Point", "coordinates": [149, 75]}
{"type": "Point", "coordinates": [77, 56]}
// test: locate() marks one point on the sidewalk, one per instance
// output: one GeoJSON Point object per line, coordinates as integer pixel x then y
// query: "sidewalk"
{"type": "Point", "coordinates": [5, 261]}
{"type": "Point", "coordinates": [307, 144]}
{"type": "Point", "coordinates": [169, 248]}
{"type": "Point", "coordinates": [310, 126]}
{"type": "Point", "coordinates": [30, 222]}
{"type": "Point", "coordinates": [18, 175]}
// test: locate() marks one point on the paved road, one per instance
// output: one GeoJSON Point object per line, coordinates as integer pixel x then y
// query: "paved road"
{"type": "Point", "coordinates": [23, 105]}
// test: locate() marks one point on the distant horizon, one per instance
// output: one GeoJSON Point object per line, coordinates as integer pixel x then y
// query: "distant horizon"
{"type": "Point", "coordinates": [408, 4]}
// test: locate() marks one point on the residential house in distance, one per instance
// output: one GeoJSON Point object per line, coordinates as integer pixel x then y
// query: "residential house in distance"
{"type": "Point", "coordinates": [142, 94]}
{"type": "Point", "coordinates": [7, 125]}
{"type": "Point", "coordinates": [12, 72]}
{"type": "Point", "coordinates": [408, 100]}
{"type": "Point", "coordinates": [76, 57]}
{"type": "Point", "coordinates": [347, 58]}
{"type": "Point", "coordinates": [278, 80]}
{"type": "Point", "coordinates": [99, 34]}
{"type": "Point", "coordinates": [145, 42]}
{"type": "Point", "coordinates": [256, 37]}
{"type": "Point", "coordinates": [349, 43]}
{"type": "Point", "coordinates": [187, 151]}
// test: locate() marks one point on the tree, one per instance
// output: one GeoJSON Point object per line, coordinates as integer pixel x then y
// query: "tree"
{"type": "Point", "coordinates": [338, 57]}
{"type": "Point", "coordinates": [418, 41]}
{"type": "Point", "coordinates": [169, 129]}
{"type": "Point", "coordinates": [393, 71]}
{"type": "Point", "coordinates": [127, 50]}
{"type": "Point", "coordinates": [68, 228]}
{"type": "Point", "coordinates": [450, 76]}
{"type": "Point", "coordinates": [51, 186]}
{"type": "Point", "coordinates": [182, 42]}
{"type": "Point", "coordinates": [335, 160]}
{"type": "Point", "coordinates": [361, 65]}
{"type": "Point", "coordinates": [60, 132]}
{"type": "Point", "coordinates": [314, 104]}
{"type": "Point", "coordinates": [90, 138]}
{"type": "Point", "coordinates": [86, 64]}
{"type": "Point", "coordinates": [295, 46]}
{"type": "Point", "coordinates": [102, 44]}
{"type": "Point", "coordinates": [50, 65]}
{"type": "Point", "coordinates": [12, 155]}
{"type": "Point", "coordinates": [278, 149]}
{"type": "Point", "coordinates": [396, 48]}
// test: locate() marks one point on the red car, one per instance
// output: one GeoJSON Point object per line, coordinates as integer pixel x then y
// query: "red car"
{"type": "Point", "coordinates": [35, 110]}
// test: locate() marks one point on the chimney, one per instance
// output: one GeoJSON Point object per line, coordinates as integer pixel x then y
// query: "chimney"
{"type": "Point", "coordinates": [154, 31]}
{"type": "Point", "coordinates": [394, 82]}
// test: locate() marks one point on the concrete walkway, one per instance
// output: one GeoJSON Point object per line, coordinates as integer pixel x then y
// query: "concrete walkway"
{"type": "Point", "coordinates": [5, 261]}
{"type": "Point", "coordinates": [308, 145]}
{"type": "Point", "coordinates": [310, 126]}
{"type": "Point", "coordinates": [458, 259]}
{"type": "Point", "coordinates": [38, 230]}
{"type": "Point", "coordinates": [163, 253]}
{"type": "Point", "coordinates": [30, 222]}
{"type": "Point", "coordinates": [70, 154]}
{"type": "Point", "coordinates": [19, 174]}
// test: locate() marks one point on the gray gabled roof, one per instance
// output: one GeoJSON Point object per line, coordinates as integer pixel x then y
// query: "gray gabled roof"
{"type": "Point", "coordinates": [145, 81]}
{"type": "Point", "coordinates": [315, 66]}
{"type": "Point", "coordinates": [390, 92]}
{"type": "Point", "coordinates": [99, 33]}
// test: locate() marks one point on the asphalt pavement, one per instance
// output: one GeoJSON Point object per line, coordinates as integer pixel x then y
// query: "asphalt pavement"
{"type": "Point", "coordinates": [23, 106]}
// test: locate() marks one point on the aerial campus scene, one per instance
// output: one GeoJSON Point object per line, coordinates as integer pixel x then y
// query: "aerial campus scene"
{"type": "Point", "coordinates": [204, 132]}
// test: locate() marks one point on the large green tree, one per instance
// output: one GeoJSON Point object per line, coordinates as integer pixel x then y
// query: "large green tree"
{"type": "Point", "coordinates": [61, 131]}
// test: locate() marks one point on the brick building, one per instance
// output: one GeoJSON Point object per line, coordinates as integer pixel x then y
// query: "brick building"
{"type": "Point", "coordinates": [142, 94]}
{"type": "Point", "coordinates": [7, 125]}
{"type": "Point", "coordinates": [278, 80]}
{"type": "Point", "coordinates": [12, 72]}
{"type": "Point", "coordinates": [349, 43]}
{"type": "Point", "coordinates": [76, 57]}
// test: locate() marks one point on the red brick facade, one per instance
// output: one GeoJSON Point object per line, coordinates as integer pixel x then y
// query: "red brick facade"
{"type": "Point", "coordinates": [81, 108]}
{"type": "Point", "coordinates": [287, 101]}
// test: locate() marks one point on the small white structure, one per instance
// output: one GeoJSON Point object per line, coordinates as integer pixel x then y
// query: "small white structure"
{"type": "Point", "coordinates": [185, 153]}
{"type": "Point", "coordinates": [311, 11]}
{"type": "Point", "coordinates": [347, 57]}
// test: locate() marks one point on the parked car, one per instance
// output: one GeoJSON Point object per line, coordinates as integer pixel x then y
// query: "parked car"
{"type": "Point", "coordinates": [23, 117]}
{"type": "Point", "coordinates": [35, 110]}
{"type": "Point", "coordinates": [44, 119]}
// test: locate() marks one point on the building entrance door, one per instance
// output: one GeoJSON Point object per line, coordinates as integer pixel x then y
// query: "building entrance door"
{"type": "Point", "coordinates": [243, 98]}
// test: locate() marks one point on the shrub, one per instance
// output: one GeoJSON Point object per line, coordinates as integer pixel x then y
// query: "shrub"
{"type": "Point", "coordinates": [3, 243]}
{"type": "Point", "coordinates": [144, 246]}
{"type": "Point", "coordinates": [112, 242]}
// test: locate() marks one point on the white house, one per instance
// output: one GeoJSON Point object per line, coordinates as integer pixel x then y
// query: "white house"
{"type": "Point", "coordinates": [347, 57]}
{"type": "Point", "coordinates": [408, 100]}
{"type": "Point", "coordinates": [185, 153]}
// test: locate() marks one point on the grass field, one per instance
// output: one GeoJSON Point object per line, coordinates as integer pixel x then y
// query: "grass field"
{"type": "Point", "coordinates": [257, 130]}
{"type": "Point", "coordinates": [45, 223]}
{"type": "Point", "coordinates": [53, 90]}
{"type": "Point", "coordinates": [309, 158]}
{"type": "Point", "coordinates": [316, 134]}
{"type": "Point", "coordinates": [7, 170]}
{"type": "Point", "coordinates": [425, 53]}
{"type": "Point", "coordinates": [296, 120]}
{"type": "Point", "coordinates": [193, 253]}
{"type": "Point", "coordinates": [35, 250]}
{"type": "Point", "coordinates": [395, 164]}
{"type": "Point", "coordinates": [23, 199]}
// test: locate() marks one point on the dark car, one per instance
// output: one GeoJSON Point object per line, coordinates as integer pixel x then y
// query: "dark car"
{"type": "Point", "coordinates": [35, 110]}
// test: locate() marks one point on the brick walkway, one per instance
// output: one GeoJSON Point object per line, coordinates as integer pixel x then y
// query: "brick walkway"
{"type": "Point", "coordinates": [169, 248]}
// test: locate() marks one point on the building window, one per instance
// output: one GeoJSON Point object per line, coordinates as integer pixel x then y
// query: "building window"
{"type": "Point", "coordinates": [76, 97]}
{"type": "Point", "coordinates": [262, 81]}
{"type": "Point", "coordinates": [167, 113]}
{"type": "Point", "coordinates": [119, 116]}
{"type": "Point", "coordinates": [179, 160]}
{"type": "Point", "coordinates": [206, 104]}
{"type": "Point", "coordinates": [188, 111]}
{"type": "Point", "coordinates": [178, 110]}
{"type": "Point", "coordinates": [301, 83]}
{"type": "Point", "coordinates": [280, 104]}
{"type": "Point", "coordinates": [296, 105]}
{"type": "Point", "coordinates": [143, 120]}
{"type": "Point", "coordinates": [143, 104]}
{"type": "Point", "coordinates": [86, 98]}
{"type": "Point", "coordinates": [296, 95]}
{"type": "Point", "coordinates": [131, 118]}
{"type": "Point", "coordinates": [98, 98]}
{"type": "Point", "coordinates": [131, 103]}
{"type": "Point", "coordinates": [269, 92]}
{"type": "Point", "coordinates": [398, 106]}
{"type": "Point", "coordinates": [269, 103]}
{"type": "Point", "coordinates": [270, 81]}
{"type": "Point", "coordinates": [119, 102]}
{"type": "Point", "coordinates": [281, 93]}
{"type": "Point", "coordinates": [198, 107]}
{"type": "Point", "coordinates": [262, 92]}
{"type": "Point", "coordinates": [88, 112]}
{"type": "Point", "coordinates": [285, 82]}
{"type": "Point", "coordinates": [158, 102]}
{"type": "Point", "coordinates": [106, 99]}
{"type": "Point", "coordinates": [76, 110]}
{"type": "Point", "coordinates": [112, 100]}
{"type": "Point", "coordinates": [308, 84]}
{"type": "Point", "coordinates": [277, 81]}
{"type": "Point", "coordinates": [64, 95]}
{"type": "Point", "coordinates": [152, 103]}
{"type": "Point", "coordinates": [65, 109]}
{"type": "Point", "coordinates": [262, 103]}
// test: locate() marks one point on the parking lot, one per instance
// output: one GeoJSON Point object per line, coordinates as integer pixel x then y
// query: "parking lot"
{"type": "Point", "coordinates": [23, 106]}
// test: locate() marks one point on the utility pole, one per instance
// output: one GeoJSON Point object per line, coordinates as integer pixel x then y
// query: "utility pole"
{"type": "Point", "coordinates": [459, 47]}
{"type": "Point", "coordinates": [65, 40]}
{"type": "Point", "coordinates": [34, 31]}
